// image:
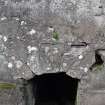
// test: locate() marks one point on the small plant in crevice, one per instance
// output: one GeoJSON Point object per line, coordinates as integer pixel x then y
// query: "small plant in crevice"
{"type": "Point", "coordinates": [55, 35]}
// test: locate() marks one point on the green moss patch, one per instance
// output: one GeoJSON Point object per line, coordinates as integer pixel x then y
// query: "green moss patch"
{"type": "Point", "coordinates": [7, 85]}
{"type": "Point", "coordinates": [99, 67]}
{"type": "Point", "coordinates": [56, 35]}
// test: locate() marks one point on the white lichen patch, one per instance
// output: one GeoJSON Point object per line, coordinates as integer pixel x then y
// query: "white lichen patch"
{"type": "Point", "coordinates": [69, 43]}
{"type": "Point", "coordinates": [18, 37]}
{"type": "Point", "coordinates": [17, 18]}
{"type": "Point", "coordinates": [67, 53]}
{"type": "Point", "coordinates": [5, 38]}
{"type": "Point", "coordinates": [23, 23]}
{"type": "Point", "coordinates": [32, 58]}
{"type": "Point", "coordinates": [53, 39]}
{"type": "Point", "coordinates": [80, 57]}
{"type": "Point", "coordinates": [3, 18]}
{"type": "Point", "coordinates": [64, 64]}
{"type": "Point", "coordinates": [29, 47]}
{"type": "Point", "coordinates": [23, 73]}
{"type": "Point", "coordinates": [55, 50]}
{"type": "Point", "coordinates": [28, 63]}
{"type": "Point", "coordinates": [46, 49]}
{"type": "Point", "coordinates": [50, 29]}
{"type": "Point", "coordinates": [18, 64]}
{"type": "Point", "coordinates": [32, 31]}
{"type": "Point", "coordinates": [81, 68]}
{"type": "Point", "coordinates": [32, 48]}
{"type": "Point", "coordinates": [85, 69]}
{"type": "Point", "coordinates": [48, 68]}
{"type": "Point", "coordinates": [13, 57]}
{"type": "Point", "coordinates": [10, 65]}
{"type": "Point", "coordinates": [16, 77]}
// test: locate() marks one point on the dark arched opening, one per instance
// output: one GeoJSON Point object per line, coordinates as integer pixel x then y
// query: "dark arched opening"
{"type": "Point", "coordinates": [55, 89]}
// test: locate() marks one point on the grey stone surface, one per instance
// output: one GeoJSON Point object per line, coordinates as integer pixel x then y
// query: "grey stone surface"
{"type": "Point", "coordinates": [95, 99]}
{"type": "Point", "coordinates": [11, 97]}
{"type": "Point", "coordinates": [26, 30]}
{"type": "Point", "coordinates": [28, 47]}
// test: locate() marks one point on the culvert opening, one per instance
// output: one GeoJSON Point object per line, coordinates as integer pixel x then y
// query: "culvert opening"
{"type": "Point", "coordinates": [55, 89]}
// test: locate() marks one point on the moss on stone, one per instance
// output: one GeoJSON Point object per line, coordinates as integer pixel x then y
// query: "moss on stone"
{"type": "Point", "coordinates": [7, 85]}
{"type": "Point", "coordinates": [99, 67]}
{"type": "Point", "coordinates": [56, 35]}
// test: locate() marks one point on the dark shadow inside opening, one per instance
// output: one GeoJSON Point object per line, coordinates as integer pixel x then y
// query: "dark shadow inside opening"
{"type": "Point", "coordinates": [55, 89]}
{"type": "Point", "coordinates": [98, 60]}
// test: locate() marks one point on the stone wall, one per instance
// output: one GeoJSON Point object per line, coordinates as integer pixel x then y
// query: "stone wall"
{"type": "Point", "coordinates": [49, 36]}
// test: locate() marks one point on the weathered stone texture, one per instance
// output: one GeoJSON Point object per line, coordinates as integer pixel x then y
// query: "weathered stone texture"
{"type": "Point", "coordinates": [28, 46]}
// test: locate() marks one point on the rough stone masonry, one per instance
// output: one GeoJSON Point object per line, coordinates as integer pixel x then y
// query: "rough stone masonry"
{"type": "Point", "coordinates": [49, 36]}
